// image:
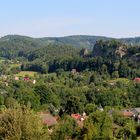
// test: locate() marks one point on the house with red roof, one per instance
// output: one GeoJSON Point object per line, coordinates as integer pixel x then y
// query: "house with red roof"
{"type": "Point", "coordinates": [137, 80]}
{"type": "Point", "coordinates": [127, 113]}
{"type": "Point", "coordinates": [79, 118]}
{"type": "Point", "coordinates": [76, 116]}
{"type": "Point", "coordinates": [26, 79]}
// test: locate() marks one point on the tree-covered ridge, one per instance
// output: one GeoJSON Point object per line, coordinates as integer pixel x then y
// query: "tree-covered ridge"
{"type": "Point", "coordinates": [78, 41]}
{"type": "Point", "coordinates": [12, 46]}
{"type": "Point", "coordinates": [16, 46]}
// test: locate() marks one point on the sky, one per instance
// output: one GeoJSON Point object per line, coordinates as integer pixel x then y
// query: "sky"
{"type": "Point", "coordinates": [55, 18]}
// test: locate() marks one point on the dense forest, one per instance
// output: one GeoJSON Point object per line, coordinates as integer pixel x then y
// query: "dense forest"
{"type": "Point", "coordinates": [92, 92]}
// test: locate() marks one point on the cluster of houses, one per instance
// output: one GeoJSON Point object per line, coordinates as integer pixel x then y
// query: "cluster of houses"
{"type": "Point", "coordinates": [5, 79]}
{"type": "Point", "coordinates": [51, 120]}
{"type": "Point", "coordinates": [27, 79]}
{"type": "Point", "coordinates": [132, 113]}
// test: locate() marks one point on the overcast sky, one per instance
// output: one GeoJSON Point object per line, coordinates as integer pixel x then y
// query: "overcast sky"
{"type": "Point", "coordinates": [40, 18]}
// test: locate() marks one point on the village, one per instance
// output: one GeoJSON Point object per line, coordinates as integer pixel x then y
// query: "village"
{"type": "Point", "coordinates": [51, 119]}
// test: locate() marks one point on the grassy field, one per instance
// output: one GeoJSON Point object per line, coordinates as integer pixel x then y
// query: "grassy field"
{"type": "Point", "coordinates": [14, 65]}
{"type": "Point", "coordinates": [24, 73]}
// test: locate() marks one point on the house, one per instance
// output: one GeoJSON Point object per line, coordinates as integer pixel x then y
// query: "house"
{"type": "Point", "coordinates": [26, 78]}
{"type": "Point", "coordinates": [79, 119]}
{"type": "Point", "coordinates": [16, 78]}
{"type": "Point", "coordinates": [100, 108]}
{"type": "Point", "coordinates": [133, 113]}
{"type": "Point", "coordinates": [48, 119]}
{"type": "Point", "coordinates": [84, 114]}
{"type": "Point", "coordinates": [137, 80]}
{"type": "Point", "coordinates": [127, 113]}
{"type": "Point", "coordinates": [73, 71]}
{"type": "Point", "coordinates": [112, 83]}
{"type": "Point", "coordinates": [136, 111]}
{"type": "Point", "coordinates": [76, 116]}
{"type": "Point", "coordinates": [34, 81]}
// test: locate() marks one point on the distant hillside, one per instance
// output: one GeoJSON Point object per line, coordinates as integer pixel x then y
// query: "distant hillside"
{"type": "Point", "coordinates": [79, 41]}
{"type": "Point", "coordinates": [85, 41]}
{"type": "Point", "coordinates": [131, 41]}
{"type": "Point", "coordinates": [88, 41]}
{"type": "Point", "coordinates": [12, 46]}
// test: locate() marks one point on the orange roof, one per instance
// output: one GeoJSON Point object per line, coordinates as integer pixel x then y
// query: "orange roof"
{"type": "Point", "coordinates": [76, 116]}
{"type": "Point", "coordinates": [127, 113]}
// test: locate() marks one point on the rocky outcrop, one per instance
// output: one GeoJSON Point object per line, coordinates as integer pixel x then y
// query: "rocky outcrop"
{"type": "Point", "coordinates": [84, 52]}
{"type": "Point", "coordinates": [109, 49]}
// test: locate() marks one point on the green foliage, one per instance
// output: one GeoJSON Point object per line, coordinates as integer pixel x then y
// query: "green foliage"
{"type": "Point", "coordinates": [102, 78]}
{"type": "Point", "coordinates": [125, 127]}
{"type": "Point", "coordinates": [104, 124]}
{"type": "Point", "coordinates": [1, 100]}
{"type": "Point", "coordinates": [66, 129]}
{"type": "Point", "coordinates": [21, 123]}
{"type": "Point", "coordinates": [73, 105]}
{"type": "Point", "coordinates": [46, 95]}
{"type": "Point", "coordinates": [90, 108]}
{"type": "Point", "coordinates": [115, 74]}
{"type": "Point", "coordinates": [89, 131]}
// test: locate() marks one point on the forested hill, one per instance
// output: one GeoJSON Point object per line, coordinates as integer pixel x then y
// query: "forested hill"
{"type": "Point", "coordinates": [78, 41]}
{"type": "Point", "coordinates": [131, 41]}
{"type": "Point", "coordinates": [13, 46]}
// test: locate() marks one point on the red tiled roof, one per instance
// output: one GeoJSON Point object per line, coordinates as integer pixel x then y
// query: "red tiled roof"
{"type": "Point", "coordinates": [127, 113]}
{"type": "Point", "coordinates": [76, 116]}
{"type": "Point", "coordinates": [137, 79]}
{"type": "Point", "coordinates": [26, 79]}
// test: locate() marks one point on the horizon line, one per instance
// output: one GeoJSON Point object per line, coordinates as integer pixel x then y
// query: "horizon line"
{"type": "Point", "coordinates": [1, 36]}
